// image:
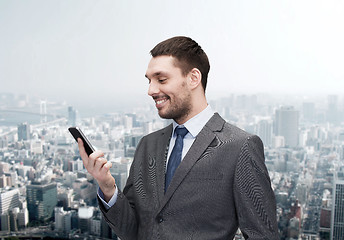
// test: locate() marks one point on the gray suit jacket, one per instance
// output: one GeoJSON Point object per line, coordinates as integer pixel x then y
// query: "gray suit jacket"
{"type": "Point", "coordinates": [221, 184]}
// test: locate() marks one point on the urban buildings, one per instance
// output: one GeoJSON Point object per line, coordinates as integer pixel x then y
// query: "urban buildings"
{"type": "Point", "coordinates": [45, 190]}
{"type": "Point", "coordinates": [337, 218]}
{"type": "Point", "coordinates": [287, 125]}
{"type": "Point", "coordinates": [41, 200]}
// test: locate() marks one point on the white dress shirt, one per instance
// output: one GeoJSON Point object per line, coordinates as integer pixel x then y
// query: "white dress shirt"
{"type": "Point", "coordinates": [193, 125]}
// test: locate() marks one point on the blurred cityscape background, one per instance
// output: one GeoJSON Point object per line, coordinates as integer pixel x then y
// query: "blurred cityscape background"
{"type": "Point", "coordinates": [276, 71]}
{"type": "Point", "coordinates": [45, 190]}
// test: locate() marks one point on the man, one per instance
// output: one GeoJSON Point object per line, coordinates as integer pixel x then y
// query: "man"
{"type": "Point", "coordinates": [203, 183]}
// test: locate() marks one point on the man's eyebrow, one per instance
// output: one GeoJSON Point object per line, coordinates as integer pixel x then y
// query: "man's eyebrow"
{"type": "Point", "coordinates": [156, 74]}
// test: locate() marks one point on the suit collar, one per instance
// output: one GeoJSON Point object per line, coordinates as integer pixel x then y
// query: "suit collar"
{"type": "Point", "coordinates": [162, 144]}
{"type": "Point", "coordinates": [196, 123]}
{"type": "Point", "coordinates": [216, 123]}
{"type": "Point", "coordinates": [202, 141]}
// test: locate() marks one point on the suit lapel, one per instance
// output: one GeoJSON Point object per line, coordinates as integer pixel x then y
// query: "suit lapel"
{"type": "Point", "coordinates": [201, 143]}
{"type": "Point", "coordinates": [163, 144]}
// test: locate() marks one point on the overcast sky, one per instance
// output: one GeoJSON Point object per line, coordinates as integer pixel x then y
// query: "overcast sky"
{"type": "Point", "coordinates": [99, 50]}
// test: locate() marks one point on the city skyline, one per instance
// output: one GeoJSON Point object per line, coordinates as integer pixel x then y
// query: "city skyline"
{"type": "Point", "coordinates": [302, 175]}
{"type": "Point", "coordinates": [96, 52]}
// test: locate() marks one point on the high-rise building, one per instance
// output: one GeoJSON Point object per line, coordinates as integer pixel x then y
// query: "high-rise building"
{"type": "Point", "coordinates": [264, 131]}
{"type": "Point", "coordinates": [337, 214]}
{"type": "Point", "coordinates": [63, 220]}
{"type": "Point", "coordinates": [308, 110]}
{"type": "Point", "coordinates": [287, 125]}
{"type": "Point", "coordinates": [23, 218]}
{"type": "Point", "coordinates": [5, 222]}
{"type": "Point", "coordinates": [325, 223]}
{"type": "Point", "coordinates": [41, 200]}
{"type": "Point", "coordinates": [23, 131]}
{"type": "Point", "coordinates": [9, 199]}
{"type": "Point", "coordinates": [85, 215]}
{"type": "Point", "coordinates": [43, 111]}
{"type": "Point", "coordinates": [332, 109]}
{"type": "Point", "coordinates": [72, 116]}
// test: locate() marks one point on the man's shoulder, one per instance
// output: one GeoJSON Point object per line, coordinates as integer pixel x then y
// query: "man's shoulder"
{"type": "Point", "coordinates": [230, 130]}
{"type": "Point", "coordinates": [218, 123]}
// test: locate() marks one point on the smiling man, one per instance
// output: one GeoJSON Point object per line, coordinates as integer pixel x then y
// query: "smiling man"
{"type": "Point", "coordinates": [200, 177]}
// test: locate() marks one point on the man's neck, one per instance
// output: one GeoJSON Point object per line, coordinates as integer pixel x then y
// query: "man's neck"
{"type": "Point", "coordinates": [191, 115]}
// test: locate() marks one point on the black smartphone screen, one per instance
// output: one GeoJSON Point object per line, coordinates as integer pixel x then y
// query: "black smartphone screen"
{"type": "Point", "coordinates": [77, 133]}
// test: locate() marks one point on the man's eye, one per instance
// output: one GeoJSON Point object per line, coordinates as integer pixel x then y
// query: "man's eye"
{"type": "Point", "coordinates": [162, 80]}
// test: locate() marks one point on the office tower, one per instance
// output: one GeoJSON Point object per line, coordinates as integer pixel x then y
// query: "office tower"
{"type": "Point", "coordinates": [337, 215]}
{"type": "Point", "coordinates": [308, 110]}
{"type": "Point", "coordinates": [85, 215]}
{"type": "Point", "coordinates": [63, 220]}
{"type": "Point", "coordinates": [72, 116]}
{"type": "Point", "coordinates": [287, 125]}
{"type": "Point", "coordinates": [130, 120]}
{"type": "Point", "coordinates": [41, 200]}
{"type": "Point", "coordinates": [325, 223]}
{"type": "Point", "coordinates": [11, 178]}
{"type": "Point", "coordinates": [23, 131]}
{"type": "Point", "coordinates": [43, 111]}
{"type": "Point", "coordinates": [66, 197]}
{"type": "Point", "coordinates": [5, 222]}
{"type": "Point", "coordinates": [76, 165]}
{"type": "Point", "coordinates": [3, 142]}
{"type": "Point", "coordinates": [302, 191]}
{"type": "Point", "coordinates": [36, 147]}
{"type": "Point", "coordinates": [332, 109]}
{"type": "Point", "coordinates": [264, 131]}
{"type": "Point", "coordinates": [9, 199]}
{"type": "Point", "coordinates": [4, 167]}
{"type": "Point", "coordinates": [23, 218]}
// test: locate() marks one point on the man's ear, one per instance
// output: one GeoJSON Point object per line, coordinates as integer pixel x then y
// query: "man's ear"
{"type": "Point", "coordinates": [195, 78]}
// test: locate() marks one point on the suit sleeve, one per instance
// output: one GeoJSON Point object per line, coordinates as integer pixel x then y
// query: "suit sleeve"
{"type": "Point", "coordinates": [122, 216]}
{"type": "Point", "coordinates": [254, 198]}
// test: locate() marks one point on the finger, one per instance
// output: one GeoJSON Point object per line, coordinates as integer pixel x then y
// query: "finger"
{"type": "Point", "coordinates": [107, 166]}
{"type": "Point", "coordinates": [99, 163]}
{"type": "Point", "coordinates": [95, 155]}
{"type": "Point", "coordinates": [105, 169]}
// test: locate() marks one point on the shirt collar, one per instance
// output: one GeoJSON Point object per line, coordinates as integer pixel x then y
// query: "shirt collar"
{"type": "Point", "coordinates": [196, 123]}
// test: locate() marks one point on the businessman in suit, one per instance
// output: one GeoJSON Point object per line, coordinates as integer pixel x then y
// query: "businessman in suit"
{"type": "Point", "coordinates": [198, 178]}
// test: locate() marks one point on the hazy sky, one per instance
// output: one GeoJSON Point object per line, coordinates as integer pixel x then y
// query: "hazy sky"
{"type": "Point", "coordinates": [99, 50]}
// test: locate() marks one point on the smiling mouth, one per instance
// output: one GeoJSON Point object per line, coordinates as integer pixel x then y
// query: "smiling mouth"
{"type": "Point", "coordinates": [159, 101]}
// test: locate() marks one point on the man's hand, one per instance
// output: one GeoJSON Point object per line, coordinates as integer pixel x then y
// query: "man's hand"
{"type": "Point", "coordinates": [99, 168]}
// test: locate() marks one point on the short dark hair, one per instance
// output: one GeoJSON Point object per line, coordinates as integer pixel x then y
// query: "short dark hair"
{"type": "Point", "coordinates": [188, 54]}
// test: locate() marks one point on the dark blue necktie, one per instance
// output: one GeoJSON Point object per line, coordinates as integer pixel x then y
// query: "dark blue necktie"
{"type": "Point", "coordinates": [176, 155]}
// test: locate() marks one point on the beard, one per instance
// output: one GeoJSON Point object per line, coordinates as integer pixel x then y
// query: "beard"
{"type": "Point", "coordinates": [179, 109]}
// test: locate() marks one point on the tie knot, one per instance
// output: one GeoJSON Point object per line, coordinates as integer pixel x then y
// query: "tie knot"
{"type": "Point", "coordinates": [181, 131]}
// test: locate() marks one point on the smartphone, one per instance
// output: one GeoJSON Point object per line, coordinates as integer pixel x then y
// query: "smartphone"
{"type": "Point", "coordinates": [77, 133]}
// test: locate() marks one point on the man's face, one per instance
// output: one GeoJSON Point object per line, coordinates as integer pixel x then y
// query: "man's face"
{"type": "Point", "coordinates": [169, 88]}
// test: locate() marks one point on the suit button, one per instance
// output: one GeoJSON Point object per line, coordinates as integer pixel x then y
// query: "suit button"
{"type": "Point", "coordinates": [160, 219]}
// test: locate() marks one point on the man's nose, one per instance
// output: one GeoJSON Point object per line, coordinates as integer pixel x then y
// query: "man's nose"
{"type": "Point", "coordinates": [153, 88]}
